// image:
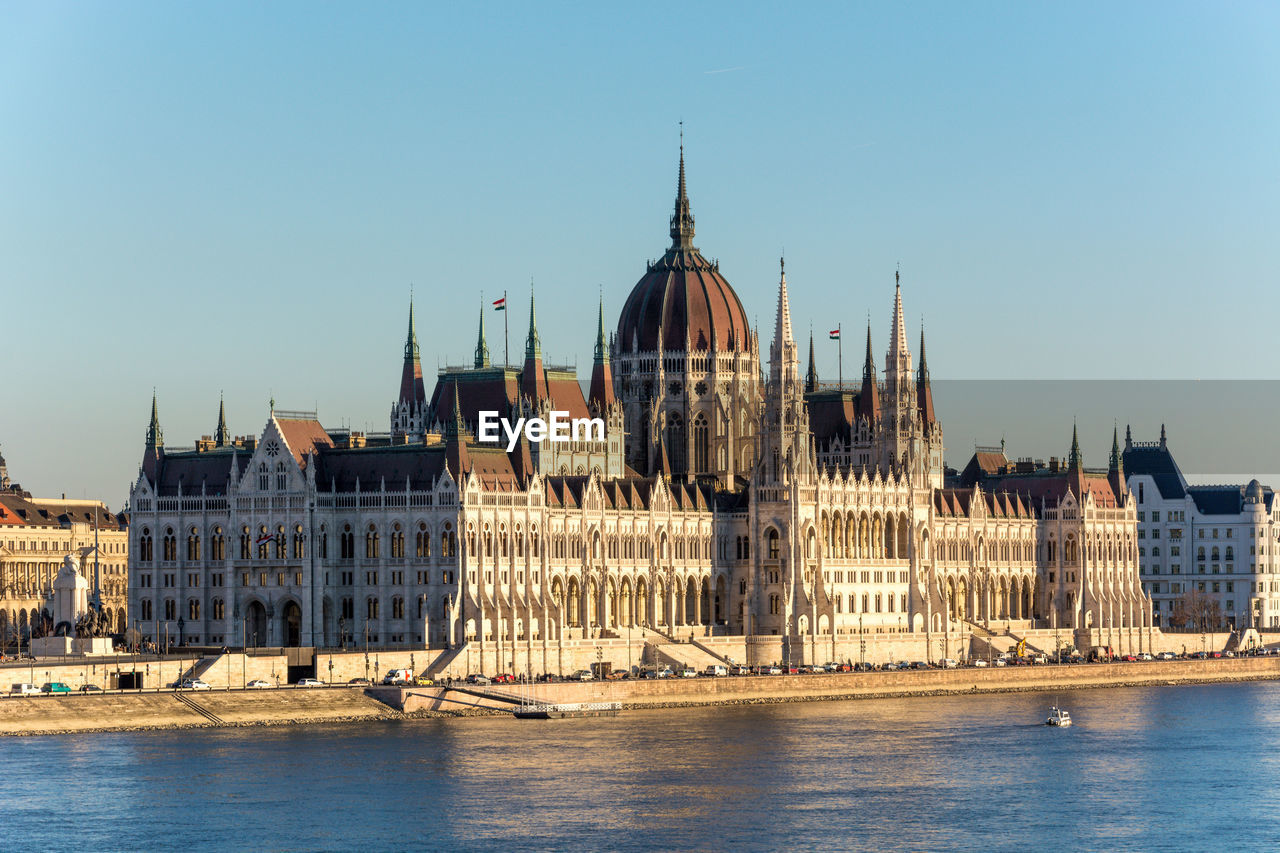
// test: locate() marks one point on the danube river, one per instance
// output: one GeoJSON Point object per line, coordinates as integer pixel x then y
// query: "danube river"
{"type": "Point", "coordinates": [1163, 768]}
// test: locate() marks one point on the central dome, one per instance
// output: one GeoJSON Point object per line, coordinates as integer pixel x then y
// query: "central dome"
{"type": "Point", "coordinates": [684, 296]}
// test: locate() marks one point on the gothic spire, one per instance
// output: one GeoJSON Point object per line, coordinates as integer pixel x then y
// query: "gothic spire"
{"type": "Point", "coordinates": [602, 343]}
{"type": "Point", "coordinates": [869, 395]}
{"type": "Point", "coordinates": [782, 323]}
{"type": "Point", "coordinates": [412, 390]}
{"type": "Point", "coordinates": [682, 219]}
{"type": "Point", "coordinates": [1116, 463]}
{"type": "Point", "coordinates": [869, 365]}
{"type": "Point", "coordinates": [898, 333]}
{"type": "Point", "coordinates": [924, 393]}
{"type": "Point", "coordinates": [1075, 460]}
{"type": "Point", "coordinates": [532, 343]}
{"type": "Point", "coordinates": [811, 377]}
{"type": "Point", "coordinates": [155, 437]}
{"type": "Point", "coordinates": [482, 346]}
{"type": "Point", "coordinates": [601, 393]}
{"type": "Point", "coordinates": [221, 437]}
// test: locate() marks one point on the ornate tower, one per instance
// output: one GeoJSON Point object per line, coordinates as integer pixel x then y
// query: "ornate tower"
{"type": "Point", "coordinates": [784, 430]}
{"type": "Point", "coordinates": [221, 436]}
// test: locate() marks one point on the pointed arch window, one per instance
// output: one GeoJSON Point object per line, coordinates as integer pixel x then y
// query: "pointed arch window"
{"type": "Point", "coordinates": [264, 478]}
{"type": "Point", "coordinates": [282, 478]}
{"type": "Point", "coordinates": [701, 444]}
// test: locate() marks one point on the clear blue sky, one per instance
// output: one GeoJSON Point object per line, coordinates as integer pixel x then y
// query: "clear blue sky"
{"type": "Point", "coordinates": [237, 198]}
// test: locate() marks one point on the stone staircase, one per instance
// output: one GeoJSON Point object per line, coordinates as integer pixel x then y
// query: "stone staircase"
{"type": "Point", "coordinates": [665, 650]}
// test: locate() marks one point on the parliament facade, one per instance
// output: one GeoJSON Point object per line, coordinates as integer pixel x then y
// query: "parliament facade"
{"type": "Point", "coordinates": [722, 501]}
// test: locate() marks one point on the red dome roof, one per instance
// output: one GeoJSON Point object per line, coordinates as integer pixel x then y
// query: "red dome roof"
{"type": "Point", "coordinates": [684, 295]}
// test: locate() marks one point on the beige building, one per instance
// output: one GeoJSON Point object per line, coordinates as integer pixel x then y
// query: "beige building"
{"type": "Point", "coordinates": [36, 534]}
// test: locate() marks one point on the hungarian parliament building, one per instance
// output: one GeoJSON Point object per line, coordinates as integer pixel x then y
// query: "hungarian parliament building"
{"type": "Point", "coordinates": [722, 500]}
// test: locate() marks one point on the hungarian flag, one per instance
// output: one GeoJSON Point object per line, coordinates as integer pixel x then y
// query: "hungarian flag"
{"type": "Point", "coordinates": [500, 304]}
{"type": "Point", "coordinates": [835, 334]}
{"type": "Point", "coordinates": [266, 537]}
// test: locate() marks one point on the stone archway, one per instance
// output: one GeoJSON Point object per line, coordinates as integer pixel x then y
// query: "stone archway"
{"type": "Point", "coordinates": [291, 624]}
{"type": "Point", "coordinates": [255, 625]}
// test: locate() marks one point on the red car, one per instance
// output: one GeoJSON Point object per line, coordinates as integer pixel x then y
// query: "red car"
{"type": "Point", "coordinates": [1130, 658]}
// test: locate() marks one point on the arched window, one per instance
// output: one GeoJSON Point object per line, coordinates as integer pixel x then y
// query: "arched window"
{"type": "Point", "coordinates": [170, 545]}
{"type": "Point", "coordinates": [146, 546]}
{"type": "Point", "coordinates": [193, 544]}
{"type": "Point", "coordinates": [299, 542]}
{"type": "Point", "coordinates": [282, 479]}
{"type": "Point", "coordinates": [422, 541]}
{"type": "Point", "coordinates": [397, 541]}
{"type": "Point", "coordinates": [773, 544]}
{"type": "Point", "coordinates": [676, 449]}
{"type": "Point", "coordinates": [371, 608]}
{"type": "Point", "coordinates": [701, 444]}
{"type": "Point", "coordinates": [245, 545]}
{"type": "Point", "coordinates": [264, 479]}
{"type": "Point", "coordinates": [397, 607]}
{"type": "Point", "coordinates": [263, 539]}
{"type": "Point", "coordinates": [371, 542]}
{"type": "Point", "coordinates": [217, 545]}
{"type": "Point", "coordinates": [193, 609]}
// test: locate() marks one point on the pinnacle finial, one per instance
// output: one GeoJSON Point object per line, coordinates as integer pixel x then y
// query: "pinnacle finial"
{"type": "Point", "coordinates": [1075, 459]}
{"type": "Point", "coordinates": [1115, 448]}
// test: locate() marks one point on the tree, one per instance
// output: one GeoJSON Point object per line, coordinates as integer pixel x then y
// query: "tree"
{"type": "Point", "coordinates": [1196, 611]}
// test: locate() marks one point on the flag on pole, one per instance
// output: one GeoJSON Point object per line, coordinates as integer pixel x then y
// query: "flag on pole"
{"type": "Point", "coordinates": [266, 537]}
{"type": "Point", "coordinates": [835, 334]}
{"type": "Point", "coordinates": [500, 304]}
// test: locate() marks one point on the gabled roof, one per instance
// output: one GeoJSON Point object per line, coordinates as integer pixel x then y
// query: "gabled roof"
{"type": "Point", "coordinates": [303, 435]}
{"type": "Point", "coordinates": [190, 470]}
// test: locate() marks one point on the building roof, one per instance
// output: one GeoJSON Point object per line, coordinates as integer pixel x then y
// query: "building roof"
{"type": "Point", "coordinates": [21, 511]}
{"type": "Point", "coordinates": [1157, 463]}
{"type": "Point", "coordinates": [1226, 500]}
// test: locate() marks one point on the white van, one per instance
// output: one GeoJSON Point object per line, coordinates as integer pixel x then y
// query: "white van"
{"type": "Point", "coordinates": [716, 670]}
{"type": "Point", "coordinates": [398, 676]}
{"type": "Point", "coordinates": [24, 689]}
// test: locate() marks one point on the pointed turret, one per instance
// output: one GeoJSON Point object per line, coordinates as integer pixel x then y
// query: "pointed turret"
{"type": "Point", "coordinates": [1164, 443]}
{"type": "Point", "coordinates": [924, 393]}
{"type": "Point", "coordinates": [898, 332]}
{"type": "Point", "coordinates": [533, 378]}
{"type": "Point", "coordinates": [482, 346]}
{"type": "Point", "coordinates": [1115, 470]}
{"type": "Point", "coordinates": [412, 391]}
{"type": "Point", "coordinates": [455, 441]}
{"type": "Point", "coordinates": [869, 395]}
{"type": "Point", "coordinates": [1075, 461]}
{"type": "Point", "coordinates": [682, 218]}
{"type": "Point", "coordinates": [221, 436]}
{"type": "Point", "coordinates": [1128, 437]}
{"type": "Point", "coordinates": [811, 376]}
{"type": "Point", "coordinates": [155, 437]}
{"type": "Point", "coordinates": [601, 396]}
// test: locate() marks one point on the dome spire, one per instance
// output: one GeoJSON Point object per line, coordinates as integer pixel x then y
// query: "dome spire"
{"type": "Point", "coordinates": [532, 343]}
{"type": "Point", "coordinates": [682, 219]}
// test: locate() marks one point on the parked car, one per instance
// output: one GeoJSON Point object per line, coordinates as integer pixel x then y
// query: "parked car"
{"type": "Point", "coordinates": [477, 678]}
{"type": "Point", "coordinates": [1000, 661]}
{"type": "Point", "coordinates": [740, 670]}
{"type": "Point", "coordinates": [1167, 656]}
{"type": "Point", "coordinates": [688, 672]}
{"type": "Point", "coordinates": [582, 675]}
{"type": "Point", "coordinates": [193, 684]}
{"type": "Point", "coordinates": [310, 682]}
{"type": "Point", "coordinates": [90, 688]}
{"type": "Point", "coordinates": [424, 681]}
{"type": "Point", "coordinates": [1145, 656]}
{"type": "Point", "coordinates": [949, 663]}
{"type": "Point", "coordinates": [23, 689]}
{"type": "Point", "coordinates": [55, 687]}
{"type": "Point", "coordinates": [979, 662]}
{"type": "Point", "coordinates": [258, 684]}
{"type": "Point", "coordinates": [772, 669]}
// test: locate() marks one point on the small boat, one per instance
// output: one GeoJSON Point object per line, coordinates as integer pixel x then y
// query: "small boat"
{"type": "Point", "coordinates": [1058, 717]}
{"type": "Point", "coordinates": [567, 709]}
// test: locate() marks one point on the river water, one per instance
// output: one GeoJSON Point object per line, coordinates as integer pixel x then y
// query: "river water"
{"type": "Point", "coordinates": [1155, 768]}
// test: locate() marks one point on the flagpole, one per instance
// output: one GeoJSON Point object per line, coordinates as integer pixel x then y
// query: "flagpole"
{"type": "Point", "coordinates": [506, 336]}
{"type": "Point", "coordinates": [840, 352]}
